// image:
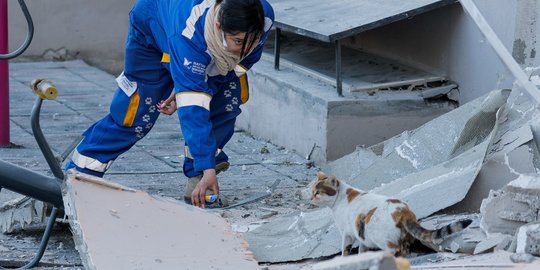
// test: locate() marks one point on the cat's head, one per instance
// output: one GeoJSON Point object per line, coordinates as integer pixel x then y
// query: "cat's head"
{"type": "Point", "coordinates": [324, 190]}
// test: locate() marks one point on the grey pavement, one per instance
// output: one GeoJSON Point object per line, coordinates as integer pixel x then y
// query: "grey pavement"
{"type": "Point", "coordinates": [153, 165]}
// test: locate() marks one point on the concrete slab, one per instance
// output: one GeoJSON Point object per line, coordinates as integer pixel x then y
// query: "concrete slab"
{"type": "Point", "coordinates": [528, 239]}
{"type": "Point", "coordinates": [517, 204]}
{"type": "Point", "coordinates": [295, 237]}
{"type": "Point", "coordinates": [365, 261]}
{"type": "Point", "coordinates": [495, 260]}
{"type": "Point", "coordinates": [491, 242]}
{"type": "Point", "coordinates": [21, 213]}
{"type": "Point", "coordinates": [514, 151]}
{"type": "Point", "coordinates": [117, 227]}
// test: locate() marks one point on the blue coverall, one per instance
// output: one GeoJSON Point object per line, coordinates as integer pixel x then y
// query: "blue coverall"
{"type": "Point", "coordinates": [166, 50]}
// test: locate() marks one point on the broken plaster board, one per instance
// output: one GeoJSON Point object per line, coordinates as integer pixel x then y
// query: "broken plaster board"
{"type": "Point", "coordinates": [495, 260]}
{"type": "Point", "coordinates": [495, 174]}
{"type": "Point", "coordinates": [295, 237]}
{"type": "Point", "coordinates": [380, 260]}
{"type": "Point", "coordinates": [514, 151]}
{"type": "Point", "coordinates": [428, 191]}
{"type": "Point", "coordinates": [417, 150]}
{"type": "Point", "coordinates": [20, 213]}
{"type": "Point", "coordinates": [515, 205]}
{"type": "Point", "coordinates": [117, 228]}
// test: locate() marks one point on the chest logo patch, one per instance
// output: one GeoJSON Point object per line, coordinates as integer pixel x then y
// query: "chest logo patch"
{"type": "Point", "coordinates": [195, 67]}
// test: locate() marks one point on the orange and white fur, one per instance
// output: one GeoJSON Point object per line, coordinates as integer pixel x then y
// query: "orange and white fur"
{"type": "Point", "coordinates": [372, 220]}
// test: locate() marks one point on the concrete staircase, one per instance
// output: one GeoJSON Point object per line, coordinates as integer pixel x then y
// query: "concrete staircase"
{"type": "Point", "coordinates": [297, 106]}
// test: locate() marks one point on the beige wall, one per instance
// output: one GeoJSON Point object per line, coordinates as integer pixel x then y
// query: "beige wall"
{"type": "Point", "coordinates": [92, 30]}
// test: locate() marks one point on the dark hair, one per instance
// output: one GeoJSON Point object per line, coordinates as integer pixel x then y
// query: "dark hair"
{"type": "Point", "coordinates": [242, 16]}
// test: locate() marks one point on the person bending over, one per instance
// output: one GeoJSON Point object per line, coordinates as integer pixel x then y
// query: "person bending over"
{"type": "Point", "coordinates": [187, 56]}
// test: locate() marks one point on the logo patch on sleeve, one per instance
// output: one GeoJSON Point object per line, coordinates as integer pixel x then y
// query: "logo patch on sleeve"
{"type": "Point", "coordinates": [195, 67]}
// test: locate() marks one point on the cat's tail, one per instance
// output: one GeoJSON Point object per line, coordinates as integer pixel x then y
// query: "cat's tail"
{"type": "Point", "coordinates": [434, 236]}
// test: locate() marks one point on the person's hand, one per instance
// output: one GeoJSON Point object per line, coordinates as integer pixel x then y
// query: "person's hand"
{"type": "Point", "coordinates": [208, 181]}
{"type": "Point", "coordinates": [168, 106]}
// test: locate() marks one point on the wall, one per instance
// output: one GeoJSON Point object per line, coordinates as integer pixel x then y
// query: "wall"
{"type": "Point", "coordinates": [92, 30]}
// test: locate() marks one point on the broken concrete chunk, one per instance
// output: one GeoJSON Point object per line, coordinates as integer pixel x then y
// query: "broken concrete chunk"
{"type": "Point", "coordinates": [491, 242]}
{"type": "Point", "coordinates": [297, 236]}
{"type": "Point", "coordinates": [364, 261]}
{"type": "Point", "coordinates": [522, 258]}
{"type": "Point", "coordinates": [21, 213]}
{"type": "Point", "coordinates": [528, 239]}
{"type": "Point", "coordinates": [505, 245]}
{"type": "Point", "coordinates": [433, 258]}
{"type": "Point", "coordinates": [505, 210]}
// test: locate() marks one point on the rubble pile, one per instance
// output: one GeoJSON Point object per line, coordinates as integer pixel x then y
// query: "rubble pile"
{"type": "Point", "coordinates": [480, 160]}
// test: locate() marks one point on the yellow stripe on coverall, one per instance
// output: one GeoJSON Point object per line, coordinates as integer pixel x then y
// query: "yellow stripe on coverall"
{"type": "Point", "coordinates": [132, 109]}
{"type": "Point", "coordinates": [244, 89]}
{"type": "Point", "coordinates": [166, 58]}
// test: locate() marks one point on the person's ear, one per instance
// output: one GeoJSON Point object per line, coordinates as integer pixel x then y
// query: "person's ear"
{"type": "Point", "coordinates": [218, 26]}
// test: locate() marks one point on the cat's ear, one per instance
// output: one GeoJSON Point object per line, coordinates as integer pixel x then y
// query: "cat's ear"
{"type": "Point", "coordinates": [321, 176]}
{"type": "Point", "coordinates": [333, 181]}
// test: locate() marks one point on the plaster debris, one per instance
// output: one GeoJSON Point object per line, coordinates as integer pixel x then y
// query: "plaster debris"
{"type": "Point", "coordinates": [492, 241]}
{"type": "Point", "coordinates": [21, 213]}
{"type": "Point", "coordinates": [121, 228]}
{"type": "Point", "coordinates": [420, 166]}
{"type": "Point", "coordinates": [522, 258]}
{"type": "Point", "coordinates": [295, 237]}
{"type": "Point", "coordinates": [528, 239]}
{"type": "Point", "coordinates": [493, 260]}
{"type": "Point", "coordinates": [366, 261]}
{"type": "Point", "coordinates": [517, 204]}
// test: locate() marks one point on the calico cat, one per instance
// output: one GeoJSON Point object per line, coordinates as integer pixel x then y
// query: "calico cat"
{"type": "Point", "coordinates": [374, 221]}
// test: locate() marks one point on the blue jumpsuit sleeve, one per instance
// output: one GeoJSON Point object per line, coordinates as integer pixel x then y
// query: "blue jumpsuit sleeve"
{"type": "Point", "coordinates": [188, 69]}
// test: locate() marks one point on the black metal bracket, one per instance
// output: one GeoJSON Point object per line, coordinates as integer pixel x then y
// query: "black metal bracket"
{"type": "Point", "coordinates": [337, 45]}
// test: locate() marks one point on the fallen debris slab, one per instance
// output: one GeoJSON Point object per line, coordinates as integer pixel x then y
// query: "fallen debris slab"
{"type": "Point", "coordinates": [119, 228]}
{"type": "Point", "coordinates": [422, 165]}
{"type": "Point", "coordinates": [21, 213]}
{"type": "Point", "coordinates": [495, 260]}
{"type": "Point", "coordinates": [528, 239]}
{"type": "Point", "coordinates": [296, 236]}
{"type": "Point", "coordinates": [365, 261]}
{"type": "Point", "coordinates": [492, 241]}
{"type": "Point", "coordinates": [517, 204]}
